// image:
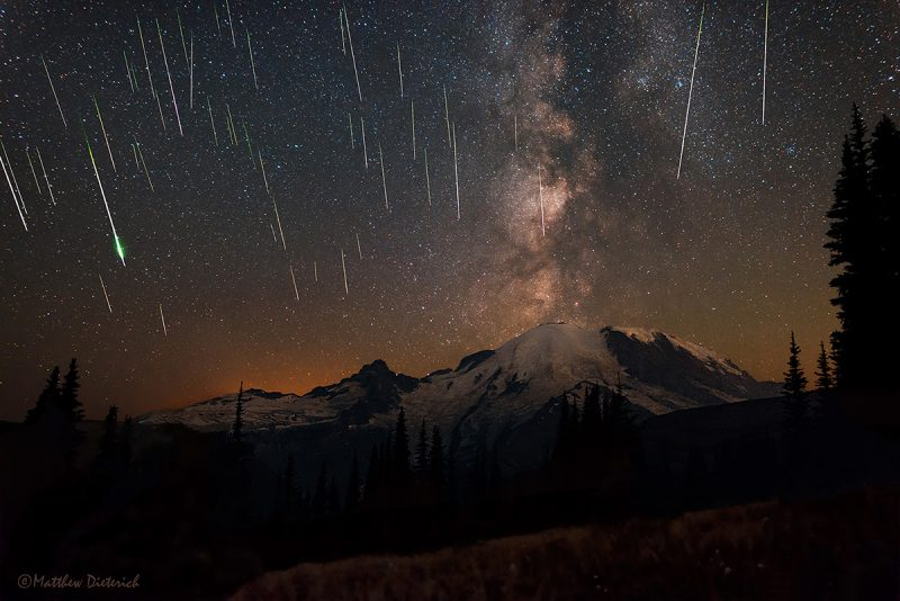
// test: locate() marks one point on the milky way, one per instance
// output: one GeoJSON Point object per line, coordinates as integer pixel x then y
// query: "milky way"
{"type": "Point", "coordinates": [591, 96]}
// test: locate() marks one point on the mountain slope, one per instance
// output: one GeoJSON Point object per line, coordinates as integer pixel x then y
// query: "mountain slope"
{"type": "Point", "coordinates": [505, 398]}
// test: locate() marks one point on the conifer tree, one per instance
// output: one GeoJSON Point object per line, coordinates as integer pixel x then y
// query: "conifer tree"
{"type": "Point", "coordinates": [823, 373]}
{"type": "Point", "coordinates": [69, 401]}
{"type": "Point", "coordinates": [401, 448]}
{"type": "Point", "coordinates": [794, 379]}
{"type": "Point", "coordinates": [49, 397]}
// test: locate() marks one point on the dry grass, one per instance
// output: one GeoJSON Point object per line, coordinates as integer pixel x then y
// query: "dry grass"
{"type": "Point", "coordinates": [846, 548]}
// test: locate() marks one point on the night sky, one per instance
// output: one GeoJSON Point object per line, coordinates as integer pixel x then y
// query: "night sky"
{"type": "Point", "coordinates": [730, 255]}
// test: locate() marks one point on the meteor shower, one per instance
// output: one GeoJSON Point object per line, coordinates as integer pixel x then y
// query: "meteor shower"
{"type": "Point", "coordinates": [470, 299]}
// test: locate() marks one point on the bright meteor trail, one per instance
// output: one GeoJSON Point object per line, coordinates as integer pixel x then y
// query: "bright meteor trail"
{"type": "Point", "coordinates": [690, 91]}
{"type": "Point", "coordinates": [352, 55]}
{"type": "Point", "coordinates": [103, 129]}
{"type": "Point", "coordinates": [169, 75]}
{"type": "Point", "coordinates": [765, 57]}
{"type": "Point", "coordinates": [13, 191]}
{"type": "Point", "coordinates": [53, 89]}
{"type": "Point", "coordinates": [105, 295]}
{"type": "Point", "coordinates": [119, 250]}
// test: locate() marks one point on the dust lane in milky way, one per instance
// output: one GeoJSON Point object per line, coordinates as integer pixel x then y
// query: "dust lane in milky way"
{"type": "Point", "coordinates": [462, 259]}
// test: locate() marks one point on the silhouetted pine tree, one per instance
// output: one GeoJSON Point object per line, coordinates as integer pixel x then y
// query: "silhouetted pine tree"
{"type": "Point", "coordinates": [237, 430]}
{"type": "Point", "coordinates": [855, 247]}
{"type": "Point", "coordinates": [422, 450]}
{"type": "Point", "coordinates": [794, 389]}
{"type": "Point", "coordinates": [69, 394]}
{"type": "Point", "coordinates": [794, 380]}
{"type": "Point", "coordinates": [592, 416]}
{"type": "Point", "coordinates": [823, 373]}
{"type": "Point", "coordinates": [49, 397]}
{"type": "Point", "coordinates": [352, 500]}
{"type": "Point", "coordinates": [885, 181]}
{"type": "Point", "coordinates": [401, 449]}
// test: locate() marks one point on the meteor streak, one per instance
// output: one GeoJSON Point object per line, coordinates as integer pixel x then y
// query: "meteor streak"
{"type": "Point", "coordinates": [352, 54]}
{"type": "Point", "coordinates": [344, 268]}
{"type": "Point", "coordinates": [33, 172]}
{"type": "Point", "coordinates": [192, 70]}
{"type": "Point", "coordinates": [105, 137]}
{"type": "Point", "coordinates": [169, 76]}
{"type": "Point", "coordinates": [765, 57]}
{"type": "Point", "coordinates": [278, 220]}
{"type": "Point", "coordinates": [541, 200]}
{"type": "Point", "coordinates": [383, 180]}
{"type": "Point", "coordinates": [163, 318]}
{"type": "Point", "coordinates": [128, 72]}
{"type": "Point", "coordinates": [690, 92]}
{"type": "Point", "coordinates": [149, 74]}
{"type": "Point", "coordinates": [105, 295]}
{"type": "Point", "coordinates": [53, 89]}
{"type": "Point", "coordinates": [352, 142]}
{"type": "Point", "coordinates": [181, 32]}
{"type": "Point", "coordinates": [516, 131]}
{"type": "Point", "coordinates": [146, 171]}
{"type": "Point", "coordinates": [359, 246]}
{"type": "Point", "coordinates": [212, 121]}
{"type": "Point", "coordinates": [119, 250]}
{"type": "Point", "coordinates": [262, 166]}
{"type": "Point", "coordinates": [14, 180]}
{"type": "Point", "coordinates": [294, 280]}
{"type": "Point", "coordinates": [362, 123]}
{"type": "Point", "coordinates": [400, 69]}
{"type": "Point", "coordinates": [13, 192]}
{"type": "Point", "coordinates": [343, 35]}
{"type": "Point", "coordinates": [252, 64]}
{"type": "Point", "coordinates": [315, 272]}
{"type": "Point", "coordinates": [46, 179]}
{"type": "Point", "coordinates": [447, 116]}
{"type": "Point", "coordinates": [230, 23]}
{"type": "Point", "coordinates": [412, 117]}
{"type": "Point", "coordinates": [427, 177]}
{"type": "Point", "coordinates": [456, 173]}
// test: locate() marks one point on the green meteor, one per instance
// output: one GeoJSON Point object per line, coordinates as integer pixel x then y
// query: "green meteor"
{"type": "Point", "coordinates": [120, 250]}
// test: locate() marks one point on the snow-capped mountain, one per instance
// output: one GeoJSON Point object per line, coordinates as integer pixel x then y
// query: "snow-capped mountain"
{"type": "Point", "coordinates": [505, 397]}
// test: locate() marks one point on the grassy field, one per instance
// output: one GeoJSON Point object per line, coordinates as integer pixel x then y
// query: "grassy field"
{"type": "Point", "coordinates": [841, 548]}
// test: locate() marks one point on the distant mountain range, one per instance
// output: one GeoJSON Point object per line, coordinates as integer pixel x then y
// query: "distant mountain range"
{"type": "Point", "coordinates": [505, 398]}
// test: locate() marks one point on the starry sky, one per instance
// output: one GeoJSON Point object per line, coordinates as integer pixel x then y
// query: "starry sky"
{"type": "Point", "coordinates": [579, 105]}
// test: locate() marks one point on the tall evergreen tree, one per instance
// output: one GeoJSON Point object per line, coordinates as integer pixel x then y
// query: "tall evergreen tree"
{"type": "Point", "coordinates": [289, 484]}
{"type": "Point", "coordinates": [885, 178]}
{"type": "Point", "coordinates": [372, 476]}
{"type": "Point", "coordinates": [422, 450]}
{"type": "Point", "coordinates": [237, 430]}
{"type": "Point", "coordinates": [69, 401]}
{"type": "Point", "coordinates": [49, 397]}
{"type": "Point", "coordinates": [823, 371]}
{"type": "Point", "coordinates": [855, 247]}
{"type": "Point", "coordinates": [401, 448]}
{"type": "Point", "coordinates": [334, 496]}
{"type": "Point", "coordinates": [794, 379]}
